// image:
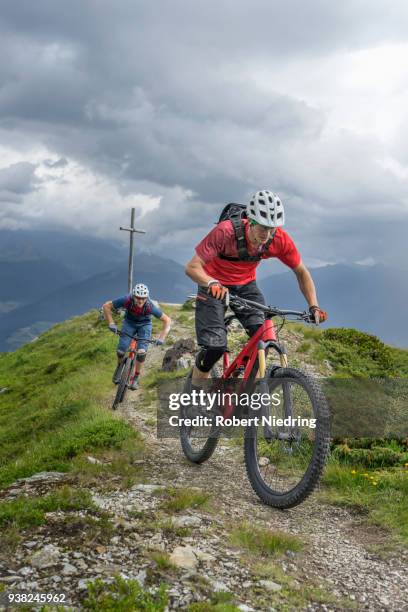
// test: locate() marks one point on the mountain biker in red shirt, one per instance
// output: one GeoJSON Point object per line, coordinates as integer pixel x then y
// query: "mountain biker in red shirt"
{"type": "Point", "coordinates": [226, 260]}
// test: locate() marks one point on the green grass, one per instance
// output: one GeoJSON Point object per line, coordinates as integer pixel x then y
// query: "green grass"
{"type": "Point", "coordinates": [208, 606]}
{"type": "Point", "coordinates": [123, 596]}
{"type": "Point", "coordinates": [162, 560]}
{"type": "Point", "coordinates": [53, 411]}
{"type": "Point", "coordinates": [380, 494]}
{"type": "Point", "coordinates": [166, 527]}
{"type": "Point", "coordinates": [152, 379]}
{"type": "Point", "coordinates": [180, 499]}
{"type": "Point", "coordinates": [304, 347]}
{"type": "Point", "coordinates": [263, 542]}
{"type": "Point", "coordinates": [26, 512]}
{"type": "Point", "coordinates": [221, 601]}
{"type": "Point", "coordinates": [355, 353]}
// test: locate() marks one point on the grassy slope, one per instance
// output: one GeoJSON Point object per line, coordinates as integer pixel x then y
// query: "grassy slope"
{"type": "Point", "coordinates": [52, 411]}
{"type": "Point", "coordinates": [357, 474]}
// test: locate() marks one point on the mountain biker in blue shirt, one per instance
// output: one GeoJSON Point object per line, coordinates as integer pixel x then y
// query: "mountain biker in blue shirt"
{"type": "Point", "coordinates": [137, 322]}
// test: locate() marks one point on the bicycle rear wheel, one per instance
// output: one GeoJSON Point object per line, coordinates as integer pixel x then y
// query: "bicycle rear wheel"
{"type": "Point", "coordinates": [285, 461]}
{"type": "Point", "coordinates": [122, 385]}
{"type": "Point", "coordinates": [198, 443]}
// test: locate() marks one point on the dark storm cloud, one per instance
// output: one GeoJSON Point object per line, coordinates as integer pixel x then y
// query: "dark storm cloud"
{"type": "Point", "coordinates": [168, 93]}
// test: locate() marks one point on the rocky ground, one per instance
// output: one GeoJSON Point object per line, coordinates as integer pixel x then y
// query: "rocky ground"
{"type": "Point", "coordinates": [340, 566]}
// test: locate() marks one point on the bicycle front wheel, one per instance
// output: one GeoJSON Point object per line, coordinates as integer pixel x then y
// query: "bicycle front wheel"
{"type": "Point", "coordinates": [123, 383]}
{"type": "Point", "coordinates": [286, 450]}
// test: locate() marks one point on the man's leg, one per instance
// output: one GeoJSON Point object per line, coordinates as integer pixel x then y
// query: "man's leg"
{"type": "Point", "coordinates": [122, 347]}
{"type": "Point", "coordinates": [144, 332]}
{"type": "Point", "coordinates": [250, 319]}
{"type": "Point", "coordinates": [211, 334]}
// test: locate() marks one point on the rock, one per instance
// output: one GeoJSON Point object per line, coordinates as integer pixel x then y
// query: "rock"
{"type": "Point", "coordinates": [4, 390]}
{"type": "Point", "coordinates": [183, 556]}
{"type": "Point", "coordinates": [56, 578]}
{"type": "Point", "coordinates": [245, 608]}
{"type": "Point", "coordinates": [69, 570]}
{"type": "Point", "coordinates": [203, 556]}
{"type": "Point", "coordinates": [46, 557]}
{"type": "Point", "coordinates": [262, 461]}
{"type": "Point", "coordinates": [186, 521]}
{"type": "Point", "coordinates": [10, 579]}
{"type": "Point", "coordinates": [141, 577]}
{"type": "Point", "coordinates": [269, 585]}
{"type": "Point", "coordinates": [217, 585]}
{"type": "Point", "coordinates": [146, 488]}
{"type": "Point", "coordinates": [98, 500]}
{"type": "Point", "coordinates": [173, 354]}
{"type": "Point", "coordinates": [13, 492]}
{"type": "Point", "coordinates": [42, 477]}
{"type": "Point", "coordinates": [184, 363]}
{"type": "Point", "coordinates": [328, 364]}
{"type": "Point", "coordinates": [82, 584]}
{"type": "Point", "coordinates": [94, 460]}
{"type": "Point", "coordinates": [26, 571]}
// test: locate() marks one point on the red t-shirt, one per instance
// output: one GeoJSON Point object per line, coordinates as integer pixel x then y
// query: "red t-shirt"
{"type": "Point", "coordinates": [222, 239]}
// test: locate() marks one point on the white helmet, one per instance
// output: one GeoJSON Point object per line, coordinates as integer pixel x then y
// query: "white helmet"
{"type": "Point", "coordinates": [140, 290]}
{"type": "Point", "coordinates": [266, 208]}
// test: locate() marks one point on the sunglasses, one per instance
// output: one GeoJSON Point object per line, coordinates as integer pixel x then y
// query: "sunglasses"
{"type": "Point", "coordinates": [264, 227]}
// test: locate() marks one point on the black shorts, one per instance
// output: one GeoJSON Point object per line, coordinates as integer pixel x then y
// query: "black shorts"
{"type": "Point", "coordinates": [209, 316]}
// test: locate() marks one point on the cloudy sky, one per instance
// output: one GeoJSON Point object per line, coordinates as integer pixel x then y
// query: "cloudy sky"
{"type": "Point", "coordinates": [178, 106]}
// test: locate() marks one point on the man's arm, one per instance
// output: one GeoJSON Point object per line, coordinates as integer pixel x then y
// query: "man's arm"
{"type": "Point", "coordinates": [306, 284]}
{"type": "Point", "coordinates": [107, 311]}
{"type": "Point", "coordinates": [195, 270]}
{"type": "Point", "coordinates": [166, 326]}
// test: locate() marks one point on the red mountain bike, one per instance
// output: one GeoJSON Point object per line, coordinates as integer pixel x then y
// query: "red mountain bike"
{"type": "Point", "coordinates": [128, 369]}
{"type": "Point", "coordinates": [284, 453]}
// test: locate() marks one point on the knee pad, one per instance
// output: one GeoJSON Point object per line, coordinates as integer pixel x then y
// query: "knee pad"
{"type": "Point", "coordinates": [207, 357]}
{"type": "Point", "coordinates": [141, 356]}
{"type": "Point", "coordinates": [252, 329]}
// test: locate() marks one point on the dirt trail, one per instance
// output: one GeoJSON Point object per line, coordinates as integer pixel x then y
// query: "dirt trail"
{"type": "Point", "coordinates": [337, 570]}
{"type": "Point", "coordinates": [337, 554]}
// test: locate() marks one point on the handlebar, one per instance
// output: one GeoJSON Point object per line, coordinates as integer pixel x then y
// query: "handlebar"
{"type": "Point", "coordinates": [272, 311]}
{"type": "Point", "coordinates": [122, 333]}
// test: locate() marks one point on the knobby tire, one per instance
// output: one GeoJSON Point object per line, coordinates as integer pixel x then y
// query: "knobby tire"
{"type": "Point", "coordinates": [320, 452]}
{"type": "Point", "coordinates": [122, 385]}
{"type": "Point", "coordinates": [210, 443]}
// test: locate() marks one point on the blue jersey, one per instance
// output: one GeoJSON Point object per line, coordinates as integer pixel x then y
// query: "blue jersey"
{"type": "Point", "coordinates": [135, 313]}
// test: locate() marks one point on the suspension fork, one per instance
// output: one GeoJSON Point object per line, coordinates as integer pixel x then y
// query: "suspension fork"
{"type": "Point", "coordinates": [261, 360]}
{"type": "Point", "coordinates": [287, 398]}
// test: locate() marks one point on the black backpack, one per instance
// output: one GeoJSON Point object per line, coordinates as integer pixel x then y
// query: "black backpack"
{"type": "Point", "coordinates": [235, 213]}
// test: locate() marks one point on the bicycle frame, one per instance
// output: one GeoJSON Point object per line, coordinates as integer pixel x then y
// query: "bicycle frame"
{"type": "Point", "coordinates": [262, 339]}
{"type": "Point", "coordinates": [255, 349]}
{"type": "Point", "coordinates": [132, 348]}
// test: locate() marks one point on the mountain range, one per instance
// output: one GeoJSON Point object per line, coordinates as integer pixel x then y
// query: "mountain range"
{"type": "Point", "coordinates": [47, 277]}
